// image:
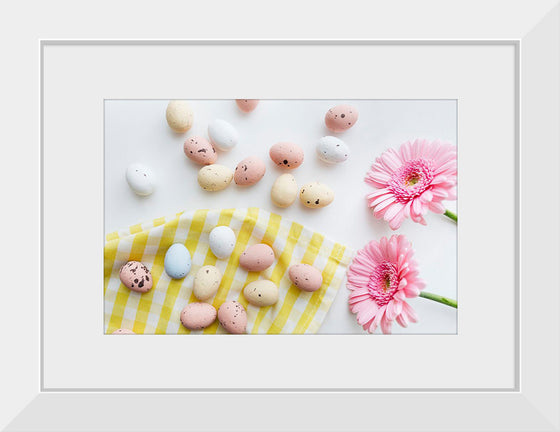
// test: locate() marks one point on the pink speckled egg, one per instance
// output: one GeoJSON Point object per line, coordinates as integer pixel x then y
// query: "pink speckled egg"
{"type": "Point", "coordinates": [286, 155]}
{"type": "Point", "coordinates": [249, 171]}
{"type": "Point", "coordinates": [233, 317]}
{"type": "Point", "coordinates": [196, 316]}
{"type": "Point", "coordinates": [136, 276]}
{"type": "Point", "coordinates": [247, 105]}
{"type": "Point", "coordinates": [306, 277]}
{"type": "Point", "coordinates": [122, 331]}
{"type": "Point", "coordinates": [341, 117]}
{"type": "Point", "coordinates": [200, 151]}
{"type": "Point", "coordinates": [257, 258]}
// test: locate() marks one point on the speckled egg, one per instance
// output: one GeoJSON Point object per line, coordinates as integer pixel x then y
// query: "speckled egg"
{"type": "Point", "coordinates": [261, 293]}
{"type": "Point", "coordinates": [341, 118]}
{"type": "Point", "coordinates": [223, 135]}
{"type": "Point", "coordinates": [135, 276]}
{"type": "Point", "coordinates": [332, 150]}
{"type": "Point", "coordinates": [286, 155]}
{"type": "Point", "coordinates": [257, 258]}
{"type": "Point", "coordinates": [284, 191]}
{"type": "Point", "coordinates": [177, 262]}
{"type": "Point", "coordinates": [196, 316]}
{"type": "Point", "coordinates": [141, 179]}
{"type": "Point", "coordinates": [249, 171]}
{"type": "Point", "coordinates": [123, 331]}
{"type": "Point", "coordinates": [306, 277]}
{"type": "Point", "coordinates": [233, 317]}
{"type": "Point", "coordinates": [200, 151]}
{"type": "Point", "coordinates": [222, 241]}
{"type": "Point", "coordinates": [315, 195]}
{"type": "Point", "coordinates": [206, 282]}
{"type": "Point", "coordinates": [247, 105]}
{"type": "Point", "coordinates": [179, 116]}
{"type": "Point", "coordinates": [214, 177]}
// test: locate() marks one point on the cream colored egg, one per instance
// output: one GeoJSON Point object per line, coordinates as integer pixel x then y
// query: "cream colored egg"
{"type": "Point", "coordinates": [206, 282]}
{"type": "Point", "coordinates": [284, 191]}
{"type": "Point", "coordinates": [179, 116]}
{"type": "Point", "coordinates": [214, 177]}
{"type": "Point", "coordinates": [316, 195]}
{"type": "Point", "coordinates": [261, 293]}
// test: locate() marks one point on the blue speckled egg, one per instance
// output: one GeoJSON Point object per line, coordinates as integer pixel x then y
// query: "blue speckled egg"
{"type": "Point", "coordinates": [177, 261]}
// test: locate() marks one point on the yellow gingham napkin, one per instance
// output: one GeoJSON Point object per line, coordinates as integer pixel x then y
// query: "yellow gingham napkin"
{"type": "Point", "coordinates": [158, 311]}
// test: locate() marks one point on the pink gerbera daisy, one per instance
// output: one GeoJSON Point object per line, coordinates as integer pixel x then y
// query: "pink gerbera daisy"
{"type": "Point", "coordinates": [413, 180]}
{"type": "Point", "coordinates": [380, 278]}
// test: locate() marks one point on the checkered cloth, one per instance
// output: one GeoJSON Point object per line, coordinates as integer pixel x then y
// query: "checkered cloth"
{"type": "Point", "coordinates": [158, 311]}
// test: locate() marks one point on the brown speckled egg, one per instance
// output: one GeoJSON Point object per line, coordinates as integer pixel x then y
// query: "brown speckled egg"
{"type": "Point", "coordinates": [122, 331]}
{"type": "Point", "coordinates": [341, 118]}
{"type": "Point", "coordinates": [257, 258]}
{"type": "Point", "coordinates": [249, 171]}
{"type": "Point", "coordinates": [286, 155]}
{"type": "Point", "coordinates": [247, 105]}
{"type": "Point", "coordinates": [306, 277]}
{"type": "Point", "coordinates": [200, 151]}
{"type": "Point", "coordinates": [136, 276]}
{"type": "Point", "coordinates": [196, 316]}
{"type": "Point", "coordinates": [233, 317]}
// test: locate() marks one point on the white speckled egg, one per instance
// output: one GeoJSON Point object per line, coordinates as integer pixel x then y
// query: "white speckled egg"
{"type": "Point", "coordinates": [140, 178]}
{"type": "Point", "coordinates": [214, 177]}
{"type": "Point", "coordinates": [206, 282]}
{"type": "Point", "coordinates": [177, 262]}
{"type": "Point", "coordinates": [222, 241]}
{"type": "Point", "coordinates": [261, 293]}
{"type": "Point", "coordinates": [196, 316]}
{"type": "Point", "coordinates": [284, 191]}
{"type": "Point", "coordinates": [233, 317]}
{"type": "Point", "coordinates": [223, 135]}
{"type": "Point", "coordinates": [332, 150]}
{"type": "Point", "coordinates": [315, 195]}
{"type": "Point", "coordinates": [179, 116]}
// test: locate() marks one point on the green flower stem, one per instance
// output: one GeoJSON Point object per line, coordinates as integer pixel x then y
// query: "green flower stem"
{"type": "Point", "coordinates": [439, 299]}
{"type": "Point", "coordinates": [451, 215]}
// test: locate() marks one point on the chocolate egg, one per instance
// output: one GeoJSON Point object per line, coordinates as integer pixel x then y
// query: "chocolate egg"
{"type": "Point", "coordinates": [247, 105]}
{"type": "Point", "coordinates": [315, 195]}
{"type": "Point", "coordinates": [261, 293]}
{"type": "Point", "coordinates": [135, 276]}
{"type": "Point", "coordinates": [179, 116]}
{"type": "Point", "coordinates": [306, 277]}
{"type": "Point", "coordinates": [177, 261]}
{"type": "Point", "coordinates": [140, 178]}
{"type": "Point", "coordinates": [200, 151]}
{"type": "Point", "coordinates": [206, 282]}
{"type": "Point", "coordinates": [122, 331]}
{"type": "Point", "coordinates": [196, 316]}
{"type": "Point", "coordinates": [332, 150]}
{"type": "Point", "coordinates": [257, 258]}
{"type": "Point", "coordinates": [286, 155]}
{"type": "Point", "coordinates": [341, 118]}
{"type": "Point", "coordinates": [249, 171]}
{"type": "Point", "coordinates": [214, 177]}
{"type": "Point", "coordinates": [284, 191]}
{"type": "Point", "coordinates": [233, 317]}
{"type": "Point", "coordinates": [222, 241]}
{"type": "Point", "coordinates": [222, 135]}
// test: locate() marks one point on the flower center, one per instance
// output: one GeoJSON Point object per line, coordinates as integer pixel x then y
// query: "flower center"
{"type": "Point", "coordinates": [412, 179]}
{"type": "Point", "coordinates": [383, 283]}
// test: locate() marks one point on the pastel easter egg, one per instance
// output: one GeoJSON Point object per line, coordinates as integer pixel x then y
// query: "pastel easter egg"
{"type": "Point", "coordinates": [247, 105]}
{"type": "Point", "coordinates": [200, 151]}
{"type": "Point", "coordinates": [341, 118]}
{"type": "Point", "coordinates": [223, 135]}
{"type": "Point", "coordinates": [332, 150]}
{"type": "Point", "coordinates": [249, 171]}
{"type": "Point", "coordinates": [315, 195]}
{"type": "Point", "coordinates": [222, 241]}
{"type": "Point", "coordinates": [196, 316]}
{"type": "Point", "coordinates": [261, 293]}
{"type": "Point", "coordinates": [284, 191]}
{"type": "Point", "coordinates": [306, 277]}
{"type": "Point", "coordinates": [123, 331]}
{"type": "Point", "coordinates": [206, 282]}
{"type": "Point", "coordinates": [233, 317]}
{"type": "Point", "coordinates": [135, 276]}
{"type": "Point", "coordinates": [179, 116]}
{"type": "Point", "coordinates": [257, 258]}
{"type": "Point", "coordinates": [140, 178]}
{"type": "Point", "coordinates": [286, 155]}
{"type": "Point", "coordinates": [214, 177]}
{"type": "Point", "coordinates": [177, 262]}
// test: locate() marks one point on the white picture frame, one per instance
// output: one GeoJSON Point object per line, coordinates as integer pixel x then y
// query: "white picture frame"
{"type": "Point", "coordinates": [531, 401]}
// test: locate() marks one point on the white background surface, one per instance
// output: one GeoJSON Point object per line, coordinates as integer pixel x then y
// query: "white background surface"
{"type": "Point", "coordinates": [136, 131]}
